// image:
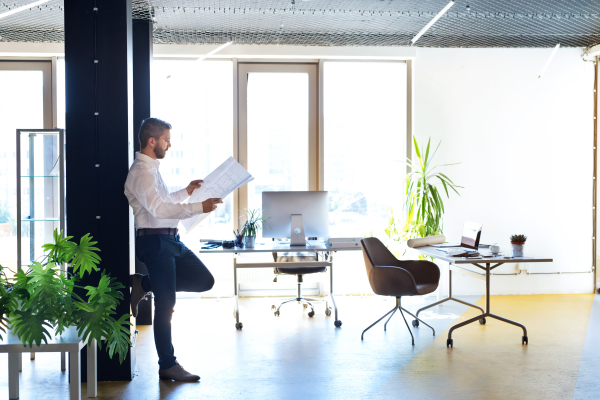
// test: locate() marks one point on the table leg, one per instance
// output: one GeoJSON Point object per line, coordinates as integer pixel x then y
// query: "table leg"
{"type": "Point", "coordinates": [20, 362]}
{"type": "Point", "coordinates": [63, 361]}
{"type": "Point", "coordinates": [13, 375]}
{"type": "Point", "coordinates": [32, 356]}
{"type": "Point", "coordinates": [92, 372]}
{"type": "Point", "coordinates": [488, 273]}
{"type": "Point", "coordinates": [74, 375]}
{"type": "Point", "coordinates": [449, 298]}
{"type": "Point", "coordinates": [336, 322]}
{"type": "Point", "coordinates": [236, 307]}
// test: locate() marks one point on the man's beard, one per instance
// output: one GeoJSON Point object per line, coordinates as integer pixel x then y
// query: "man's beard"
{"type": "Point", "coordinates": [159, 153]}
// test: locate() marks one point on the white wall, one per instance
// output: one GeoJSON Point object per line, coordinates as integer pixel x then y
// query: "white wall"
{"type": "Point", "coordinates": [525, 145]}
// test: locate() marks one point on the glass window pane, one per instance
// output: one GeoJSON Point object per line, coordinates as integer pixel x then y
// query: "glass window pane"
{"type": "Point", "coordinates": [277, 133]}
{"type": "Point", "coordinates": [196, 99]}
{"type": "Point", "coordinates": [22, 107]}
{"type": "Point", "coordinates": [365, 131]}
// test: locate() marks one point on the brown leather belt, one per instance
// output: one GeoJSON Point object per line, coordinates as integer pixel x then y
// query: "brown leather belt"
{"type": "Point", "coordinates": [156, 231]}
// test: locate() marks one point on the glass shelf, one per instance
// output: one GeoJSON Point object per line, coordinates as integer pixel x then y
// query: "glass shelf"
{"type": "Point", "coordinates": [39, 176]}
{"type": "Point", "coordinates": [41, 219]}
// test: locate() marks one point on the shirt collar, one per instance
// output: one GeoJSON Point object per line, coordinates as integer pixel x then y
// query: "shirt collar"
{"type": "Point", "coordinates": [146, 159]}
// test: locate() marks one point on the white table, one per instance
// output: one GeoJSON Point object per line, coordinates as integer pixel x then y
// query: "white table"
{"type": "Point", "coordinates": [455, 265]}
{"type": "Point", "coordinates": [275, 247]}
{"type": "Point", "coordinates": [69, 342]}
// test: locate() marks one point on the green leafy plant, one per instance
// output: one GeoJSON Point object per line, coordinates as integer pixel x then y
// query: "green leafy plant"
{"type": "Point", "coordinates": [518, 238]}
{"type": "Point", "coordinates": [42, 299]}
{"type": "Point", "coordinates": [254, 222]}
{"type": "Point", "coordinates": [423, 206]}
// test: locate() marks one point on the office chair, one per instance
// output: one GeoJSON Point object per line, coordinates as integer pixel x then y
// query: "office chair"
{"type": "Point", "coordinates": [299, 272]}
{"type": "Point", "coordinates": [389, 276]}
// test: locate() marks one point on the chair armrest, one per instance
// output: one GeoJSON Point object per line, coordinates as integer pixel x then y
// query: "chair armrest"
{"type": "Point", "coordinates": [392, 281]}
{"type": "Point", "coordinates": [422, 271]}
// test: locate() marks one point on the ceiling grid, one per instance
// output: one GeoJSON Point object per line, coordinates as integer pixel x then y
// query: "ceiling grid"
{"type": "Point", "coordinates": [475, 23]}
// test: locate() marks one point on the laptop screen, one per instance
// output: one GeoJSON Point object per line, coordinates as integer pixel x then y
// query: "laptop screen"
{"type": "Point", "coordinates": [471, 235]}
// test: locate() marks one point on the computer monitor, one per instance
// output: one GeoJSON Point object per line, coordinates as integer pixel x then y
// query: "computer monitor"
{"type": "Point", "coordinates": [295, 215]}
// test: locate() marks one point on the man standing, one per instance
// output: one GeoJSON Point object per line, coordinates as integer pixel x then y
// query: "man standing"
{"type": "Point", "coordinates": [172, 267]}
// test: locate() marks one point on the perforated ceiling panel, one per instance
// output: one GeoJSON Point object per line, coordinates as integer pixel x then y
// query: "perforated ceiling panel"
{"type": "Point", "coordinates": [474, 23]}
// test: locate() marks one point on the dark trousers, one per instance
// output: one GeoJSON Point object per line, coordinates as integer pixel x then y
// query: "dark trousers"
{"type": "Point", "coordinates": [172, 267]}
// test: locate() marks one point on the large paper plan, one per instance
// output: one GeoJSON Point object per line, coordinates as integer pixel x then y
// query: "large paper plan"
{"type": "Point", "coordinates": [218, 184]}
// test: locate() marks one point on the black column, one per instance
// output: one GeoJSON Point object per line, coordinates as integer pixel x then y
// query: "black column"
{"type": "Point", "coordinates": [99, 126]}
{"type": "Point", "coordinates": [142, 61]}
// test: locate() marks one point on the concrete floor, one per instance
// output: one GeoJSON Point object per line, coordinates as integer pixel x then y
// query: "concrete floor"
{"type": "Point", "coordinates": [296, 357]}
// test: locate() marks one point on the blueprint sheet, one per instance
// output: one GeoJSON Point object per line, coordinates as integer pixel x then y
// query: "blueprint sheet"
{"type": "Point", "coordinates": [225, 179]}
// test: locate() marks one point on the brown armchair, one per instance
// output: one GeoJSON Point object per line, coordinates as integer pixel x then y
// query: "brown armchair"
{"type": "Point", "coordinates": [389, 276]}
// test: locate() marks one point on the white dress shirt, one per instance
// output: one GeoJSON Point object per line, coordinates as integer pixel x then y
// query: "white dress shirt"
{"type": "Point", "coordinates": [153, 205]}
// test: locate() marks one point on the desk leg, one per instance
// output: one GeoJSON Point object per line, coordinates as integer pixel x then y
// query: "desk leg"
{"type": "Point", "coordinates": [13, 375]}
{"type": "Point", "coordinates": [337, 322]}
{"type": "Point", "coordinates": [63, 361]}
{"type": "Point", "coordinates": [74, 375]}
{"type": "Point", "coordinates": [92, 372]}
{"type": "Point", "coordinates": [488, 273]}
{"type": "Point", "coordinates": [20, 362]}
{"type": "Point", "coordinates": [447, 299]}
{"type": "Point", "coordinates": [236, 306]}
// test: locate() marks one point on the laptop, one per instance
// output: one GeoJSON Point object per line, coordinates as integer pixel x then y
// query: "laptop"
{"type": "Point", "coordinates": [469, 240]}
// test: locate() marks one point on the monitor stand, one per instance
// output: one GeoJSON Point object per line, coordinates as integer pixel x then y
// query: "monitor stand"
{"type": "Point", "coordinates": [297, 237]}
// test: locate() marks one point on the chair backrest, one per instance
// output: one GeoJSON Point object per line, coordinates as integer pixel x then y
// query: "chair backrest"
{"type": "Point", "coordinates": [375, 253]}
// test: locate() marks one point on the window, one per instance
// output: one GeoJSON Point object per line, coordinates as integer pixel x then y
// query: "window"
{"type": "Point", "coordinates": [365, 134]}
{"type": "Point", "coordinates": [26, 105]}
{"type": "Point", "coordinates": [196, 99]}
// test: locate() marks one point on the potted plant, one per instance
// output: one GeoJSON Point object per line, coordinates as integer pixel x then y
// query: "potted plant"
{"type": "Point", "coordinates": [423, 205]}
{"type": "Point", "coordinates": [517, 242]}
{"type": "Point", "coordinates": [42, 298]}
{"type": "Point", "coordinates": [254, 222]}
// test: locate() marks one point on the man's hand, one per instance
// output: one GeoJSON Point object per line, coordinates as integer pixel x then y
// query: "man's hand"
{"type": "Point", "coordinates": [193, 185]}
{"type": "Point", "coordinates": [210, 205]}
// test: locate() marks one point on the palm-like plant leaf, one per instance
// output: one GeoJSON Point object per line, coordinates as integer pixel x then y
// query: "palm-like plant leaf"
{"type": "Point", "coordinates": [62, 249]}
{"type": "Point", "coordinates": [85, 258]}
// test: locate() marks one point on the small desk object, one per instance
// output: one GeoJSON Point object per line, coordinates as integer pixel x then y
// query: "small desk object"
{"type": "Point", "coordinates": [275, 247]}
{"type": "Point", "coordinates": [456, 266]}
{"type": "Point", "coordinates": [69, 342]}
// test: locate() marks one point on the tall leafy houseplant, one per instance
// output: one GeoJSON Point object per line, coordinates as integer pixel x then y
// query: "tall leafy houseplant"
{"type": "Point", "coordinates": [42, 299]}
{"type": "Point", "coordinates": [424, 206]}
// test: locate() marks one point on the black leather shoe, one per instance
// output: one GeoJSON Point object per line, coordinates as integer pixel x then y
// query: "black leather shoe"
{"type": "Point", "coordinates": [177, 373]}
{"type": "Point", "coordinates": [137, 293]}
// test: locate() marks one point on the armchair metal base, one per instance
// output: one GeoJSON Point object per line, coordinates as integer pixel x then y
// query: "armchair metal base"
{"type": "Point", "coordinates": [393, 311]}
{"type": "Point", "coordinates": [306, 301]}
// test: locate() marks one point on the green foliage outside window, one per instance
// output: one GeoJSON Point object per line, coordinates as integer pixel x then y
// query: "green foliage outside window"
{"type": "Point", "coordinates": [42, 299]}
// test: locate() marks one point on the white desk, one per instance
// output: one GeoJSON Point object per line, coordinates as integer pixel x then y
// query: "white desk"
{"type": "Point", "coordinates": [70, 342]}
{"type": "Point", "coordinates": [455, 265]}
{"type": "Point", "coordinates": [274, 247]}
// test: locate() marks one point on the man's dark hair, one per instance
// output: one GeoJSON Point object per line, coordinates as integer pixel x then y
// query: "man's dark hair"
{"type": "Point", "coordinates": [152, 127]}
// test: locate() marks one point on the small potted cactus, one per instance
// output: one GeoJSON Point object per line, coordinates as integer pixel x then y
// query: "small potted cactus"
{"type": "Point", "coordinates": [518, 242]}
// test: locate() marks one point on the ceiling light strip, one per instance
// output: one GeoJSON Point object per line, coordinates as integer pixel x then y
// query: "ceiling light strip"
{"type": "Point", "coordinates": [549, 59]}
{"type": "Point", "coordinates": [23, 8]}
{"type": "Point", "coordinates": [412, 42]}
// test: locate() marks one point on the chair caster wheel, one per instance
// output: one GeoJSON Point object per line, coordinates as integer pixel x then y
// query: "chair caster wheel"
{"type": "Point", "coordinates": [273, 307]}
{"type": "Point", "coordinates": [305, 306]}
{"type": "Point", "coordinates": [337, 323]}
{"type": "Point", "coordinates": [415, 323]}
{"type": "Point", "coordinates": [275, 279]}
{"type": "Point", "coordinates": [450, 343]}
{"type": "Point", "coordinates": [311, 314]}
{"type": "Point", "coordinates": [525, 340]}
{"type": "Point", "coordinates": [328, 311]}
{"type": "Point", "coordinates": [276, 313]}
{"type": "Point", "coordinates": [482, 321]}
{"type": "Point", "coordinates": [239, 326]}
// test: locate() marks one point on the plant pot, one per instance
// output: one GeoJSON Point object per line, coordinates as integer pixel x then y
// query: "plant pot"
{"type": "Point", "coordinates": [517, 248]}
{"type": "Point", "coordinates": [249, 241]}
